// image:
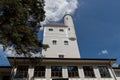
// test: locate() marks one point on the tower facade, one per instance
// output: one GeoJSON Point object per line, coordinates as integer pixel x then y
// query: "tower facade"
{"type": "Point", "coordinates": [62, 40]}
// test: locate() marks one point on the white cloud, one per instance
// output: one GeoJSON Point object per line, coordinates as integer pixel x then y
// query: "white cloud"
{"type": "Point", "coordinates": [56, 9]}
{"type": "Point", "coordinates": [103, 52]}
{"type": "Point", "coordinates": [115, 65]}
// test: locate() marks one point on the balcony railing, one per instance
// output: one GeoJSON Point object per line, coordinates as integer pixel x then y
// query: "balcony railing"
{"type": "Point", "coordinates": [73, 74]}
{"type": "Point", "coordinates": [39, 74]}
{"type": "Point", "coordinates": [56, 74]}
{"type": "Point", "coordinates": [89, 74]}
{"type": "Point", "coordinates": [22, 74]}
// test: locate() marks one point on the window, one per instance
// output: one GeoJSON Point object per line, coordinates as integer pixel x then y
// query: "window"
{"type": "Point", "coordinates": [22, 72]}
{"type": "Point", "coordinates": [65, 42]}
{"type": "Point", "coordinates": [69, 29]}
{"type": "Point", "coordinates": [56, 71]}
{"type": "Point", "coordinates": [66, 18]}
{"type": "Point", "coordinates": [61, 30]}
{"type": "Point", "coordinates": [88, 71]}
{"type": "Point", "coordinates": [54, 42]}
{"type": "Point", "coordinates": [104, 71]}
{"type": "Point", "coordinates": [50, 29]}
{"type": "Point", "coordinates": [61, 56]}
{"type": "Point", "coordinates": [72, 71]}
{"type": "Point", "coordinates": [39, 71]}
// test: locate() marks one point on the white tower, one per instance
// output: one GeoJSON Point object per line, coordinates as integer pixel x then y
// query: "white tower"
{"type": "Point", "coordinates": [62, 40]}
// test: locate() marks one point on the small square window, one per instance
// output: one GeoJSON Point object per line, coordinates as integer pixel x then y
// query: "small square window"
{"type": "Point", "coordinates": [54, 42]}
{"type": "Point", "coordinates": [50, 29]}
{"type": "Point", "coordinates": [65, 42]}
{"type": "Point", "coordinates": [66, 18]}
{"type": "Point", "coordinates": [61, 56]}
{"type": "Point", "coordinates": [69, 29]}
{"type": "Point", "coordinates": [61, 30]}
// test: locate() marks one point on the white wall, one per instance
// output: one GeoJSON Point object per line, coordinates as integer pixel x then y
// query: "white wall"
{"type": "Point", "coordinates": [69, 51]}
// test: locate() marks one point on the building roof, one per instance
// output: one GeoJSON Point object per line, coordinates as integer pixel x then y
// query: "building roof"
{"type": "Point", "coordinates": [5, 68]}
{"type": "Point", "coordinates": [23, 60]}
{"type": "Point", "coordinates": [117, 69]}
{"type": "Point", "coordinates": [55, 25]}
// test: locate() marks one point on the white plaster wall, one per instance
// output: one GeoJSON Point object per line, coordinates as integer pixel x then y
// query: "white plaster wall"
{"type": "Point", "coordinates": [40, 79]}
{"type": "Point", "coordinates": [68, 21]}
{"type": "Point", "coordinates": [30, 72]}
{"type": "Point", "coordinates": [69, 51]}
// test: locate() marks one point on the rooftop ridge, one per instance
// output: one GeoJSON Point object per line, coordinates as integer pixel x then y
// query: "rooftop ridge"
{"type": "Point", "coordinates": [56, 24]}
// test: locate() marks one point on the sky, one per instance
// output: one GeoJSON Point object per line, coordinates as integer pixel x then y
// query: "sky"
{"type": "Point", "coordinates": [97, 24]}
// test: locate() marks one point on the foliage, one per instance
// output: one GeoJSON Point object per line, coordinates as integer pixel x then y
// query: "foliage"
{"type": "Point", "coordinates": [119, 66]}
{"type": "Point", "coordinates": [19, 23]}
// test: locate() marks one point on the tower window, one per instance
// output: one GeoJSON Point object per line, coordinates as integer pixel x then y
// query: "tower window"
{"type": "Point", "coordinates": [61, 30]}
{"type": "Point", "coordinates": [61, 56]}
{"type": "Point", "coordinates": [54, 42]}
{"type": "Point", "coordinates": [69, 29]}
{"type": "Point", "coordinates": [50, 29]}
{"type": "Point", "coordinates": [66, 18]}
{"type": "Point", "coordinates": [65, 42]}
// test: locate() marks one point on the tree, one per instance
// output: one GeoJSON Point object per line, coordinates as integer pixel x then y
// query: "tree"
{"type": "Point", "coordinates": [19, 24]}
{"type": "Point", "coordinates": [119, 66]}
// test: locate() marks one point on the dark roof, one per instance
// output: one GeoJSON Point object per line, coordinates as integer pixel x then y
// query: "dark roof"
{"type": "Point", "coordinates": [29, 60]}
{"type": "Point", "coordinates": [5, 66]}
{"type": "Point", "coordinates": [114, 59]}
{"type": "Point", "coordinates": [56, 25]}
{"type": "Point", "coordinates": [66, 15]}
{"type": "Point", "coordinates": [116, 67]}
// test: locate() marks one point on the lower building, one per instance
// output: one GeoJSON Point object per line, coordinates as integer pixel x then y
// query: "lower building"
{"type": "Point", "coordinates": [117, 72]}
{"type": "Point", "coordinates": [59, 69]}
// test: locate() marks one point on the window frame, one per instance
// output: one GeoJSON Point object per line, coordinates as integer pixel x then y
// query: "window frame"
{"type": "Point", "coordinates": [56, 73]}
{"type": "Point", "coordinates": [22, 71]}
{"type": "Point", "coordinates": [61, 30]}
{"type": "Point", "coordinates": [66, 42]}
{"type": "Point", "coordinates": [54, 42]}
{"type": "Point", "coordinates": [50, 29]}
{"type": "Point", "coordinates": [89, 71]}
{"type": "Point", "coordinates": [61, 56]}
{"type": "Point", "coordinates": [72, 71]}
{"type": "Point", "coordinates": [38, 72]}
{"type": "Point", "coordinates": [103, 73]}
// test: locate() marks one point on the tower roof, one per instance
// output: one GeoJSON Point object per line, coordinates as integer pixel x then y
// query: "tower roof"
{"type": "Point", "coordinates": [56, 25]}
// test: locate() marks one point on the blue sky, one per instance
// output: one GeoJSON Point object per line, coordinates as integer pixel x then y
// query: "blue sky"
{"type": "Point", "coordinates": [97, 24]}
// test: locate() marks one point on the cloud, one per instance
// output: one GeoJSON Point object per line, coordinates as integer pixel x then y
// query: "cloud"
{"type": "Point", "coordinates": [115, 65]}
{"type": "Point", "coordinates": [56, 9]}
{"type": "Point", "coordinates": [103, 52]}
